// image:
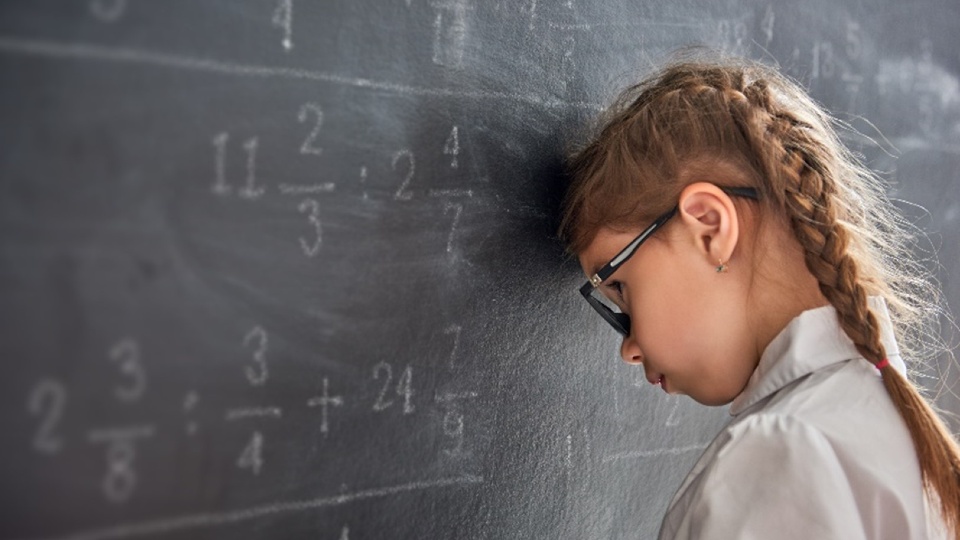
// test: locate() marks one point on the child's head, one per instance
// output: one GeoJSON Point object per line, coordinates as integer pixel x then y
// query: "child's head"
{"type": "Point", "coordinates": [821, 230]}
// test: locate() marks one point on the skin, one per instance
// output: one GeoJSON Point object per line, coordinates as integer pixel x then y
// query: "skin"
{"type": "Point", "coordinates": [696, 331]}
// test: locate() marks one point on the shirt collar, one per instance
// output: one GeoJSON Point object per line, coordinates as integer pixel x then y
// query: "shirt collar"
{"type": "Point", "coordinates": [812, 340]}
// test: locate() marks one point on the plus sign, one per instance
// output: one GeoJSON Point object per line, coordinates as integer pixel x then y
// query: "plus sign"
{"type": "Point", "coordinates": [324, 401]}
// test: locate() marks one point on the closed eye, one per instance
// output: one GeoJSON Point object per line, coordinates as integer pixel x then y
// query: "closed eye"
{"type": "Point", "coordinates": [617, 289]}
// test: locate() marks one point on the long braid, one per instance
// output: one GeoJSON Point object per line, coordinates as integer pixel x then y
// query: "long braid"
{"type": "Point", "coordinates": [809, 191]}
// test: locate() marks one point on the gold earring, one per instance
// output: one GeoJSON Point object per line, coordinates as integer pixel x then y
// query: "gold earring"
{"type": "Point", "coordinates": [721, 267]}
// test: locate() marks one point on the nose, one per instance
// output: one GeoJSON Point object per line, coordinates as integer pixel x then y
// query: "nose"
{"type": "Point", "coordinates": [630, 351]}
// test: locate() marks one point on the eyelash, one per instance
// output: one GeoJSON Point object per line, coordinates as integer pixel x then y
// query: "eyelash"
{"type": "Point", "coordinates": [618, 287]}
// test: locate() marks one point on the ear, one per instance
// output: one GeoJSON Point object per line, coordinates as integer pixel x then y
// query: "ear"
{"type": "Point", "coordinates": [710, 220]}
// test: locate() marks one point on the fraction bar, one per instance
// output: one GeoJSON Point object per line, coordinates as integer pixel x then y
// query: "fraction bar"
{"type": "Point", "coordinates": [254, 412]}
{"type": "Point", "coordinates": [451, 397]}
{"type": "Point", "coordinates": [293, 189]}
{"type": "Point", "coordinates": [451, 193]}
{"type": "Point", "coordinates": [112, 434]}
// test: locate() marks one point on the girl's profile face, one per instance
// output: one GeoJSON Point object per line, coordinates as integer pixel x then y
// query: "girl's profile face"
{"type": "Point", "coordinates": [689, 328]}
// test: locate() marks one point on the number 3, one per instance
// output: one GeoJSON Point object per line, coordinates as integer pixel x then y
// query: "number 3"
{"type": "Point", "coordinates": [127, 353]}
{"type": "Point", "coordinates": [311, 250]}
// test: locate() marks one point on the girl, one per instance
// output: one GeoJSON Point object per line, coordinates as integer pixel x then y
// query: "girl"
{"type": "Point", "coordinates": [747, 258]}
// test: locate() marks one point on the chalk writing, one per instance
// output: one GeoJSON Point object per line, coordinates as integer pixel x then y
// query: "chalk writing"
{"type": "Point", "coordinates": [127, 353]}
{"type": "Point", "coordinates": [450, 33]}
{"type": "Point", "coordinates": [108, 10]}
{"type": "Point", "coordinates": [824, 65]}
{"type": "Point", "coordinates": [283, 19]}
{"type": "Point", "coordinates": [454, 329]}
{"type": "Point", "coordinates": [121, 478]}
{"type": "Point", "coordinates": [403, 193]}
{"type": "Point", "coordinates": [47, 400]}
{"type": "Point", "coordinates": [250, 190]}
{"type": "Point", "coordinates": [189, 403]}
{"type": "Point", "coordinates": [639, 454]}
{"type": "Point", "coordinates": [84, 51]}
{"type": "Point", "coordinates": [253, 412]}
{"type": "Point", "coordinates": [190, 522]}
{"type": "Point", "coordinates": [257, 374]}
{"type": "Point", "coordinates": [324, 401]}
{"type": "Point", "coordinates": [363, 181]}
{"type": "Point", "coordinates": [766, 24]}
{"type": "Point", "coordinates": [452, 424]}
{"type": "Point", "coordinates": [404, 387]}
{"type": "Point", "coordinates": [252, 455]}
{"type": "Point", "coordinates": [452, 147]}
{"type": "Point", "coordinates": [457, 210]}
{"type": "Point", "coordinates": [309, 145]}
{"type": "Point", "coordinates": [312, 208]}
{"type": "Point", "coordinates": [292, 189]}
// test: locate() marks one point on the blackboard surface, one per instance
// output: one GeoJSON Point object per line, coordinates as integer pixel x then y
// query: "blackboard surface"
{"type": "Point", "coordinates": [285, 269]}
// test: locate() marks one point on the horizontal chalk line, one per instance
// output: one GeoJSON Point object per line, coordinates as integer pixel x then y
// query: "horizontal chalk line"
{"type": "Point", "coordinates": [654, 453]}
{"type": "Point", "coordinates": [253, 412]}
{"type": "Point", "coordinates": [291, 189]}
{"type": "Point", "coordinates": [195, 521]}
{"type": "Point", "coordinates": [108, 434]}
{"type": "Point", "coordinates": [84, 51]}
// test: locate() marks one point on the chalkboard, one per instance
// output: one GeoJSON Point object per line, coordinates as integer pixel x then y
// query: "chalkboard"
{"type": "Point", "coordinates": [287, 269]}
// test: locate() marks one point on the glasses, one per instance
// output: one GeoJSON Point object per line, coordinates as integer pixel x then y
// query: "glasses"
{"type": "Point", "coordinates": [604, 306]}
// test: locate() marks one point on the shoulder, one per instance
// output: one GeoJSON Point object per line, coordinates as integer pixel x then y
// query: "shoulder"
{"type": "Point", "coordinates": [770, 445]}
{"type": "Point", "coordinates": [769, 471]}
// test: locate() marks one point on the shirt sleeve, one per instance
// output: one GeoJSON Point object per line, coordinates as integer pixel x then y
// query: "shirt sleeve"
{"type": "Point", "coordinates": [776, 478]}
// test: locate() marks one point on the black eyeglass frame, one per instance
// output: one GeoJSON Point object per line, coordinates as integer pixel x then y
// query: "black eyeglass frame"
{"type": "Point", "coordinates": [621, 321]}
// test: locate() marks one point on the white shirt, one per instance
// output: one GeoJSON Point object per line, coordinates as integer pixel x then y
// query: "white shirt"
{"type": "Point", "coordinates": [816, 449]}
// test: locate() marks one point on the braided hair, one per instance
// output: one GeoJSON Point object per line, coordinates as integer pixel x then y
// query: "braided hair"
{"type": "Point", "coordinates": [855, 243]}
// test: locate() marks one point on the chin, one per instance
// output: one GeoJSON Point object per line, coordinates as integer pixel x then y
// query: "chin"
{"type": "Point", "coordinates": [713, 401]}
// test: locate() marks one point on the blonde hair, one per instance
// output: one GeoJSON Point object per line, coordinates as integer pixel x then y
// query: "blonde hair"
{"type": "Point", "coordinates": [695, 113]}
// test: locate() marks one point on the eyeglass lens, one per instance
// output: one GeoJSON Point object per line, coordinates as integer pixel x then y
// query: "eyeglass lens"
{"type": "Point", "coordinates": [610, 312]}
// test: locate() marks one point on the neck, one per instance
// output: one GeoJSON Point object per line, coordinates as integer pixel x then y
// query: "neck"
{"type": "Point", "coordinates": [783, 287]}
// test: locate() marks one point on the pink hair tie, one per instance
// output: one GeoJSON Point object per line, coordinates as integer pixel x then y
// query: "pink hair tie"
{"type": "Point", "coordinates": [882, 364]}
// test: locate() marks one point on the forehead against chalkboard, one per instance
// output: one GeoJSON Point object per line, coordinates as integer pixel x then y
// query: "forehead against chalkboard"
{"type": "Point", "coordinates": [287, 269]}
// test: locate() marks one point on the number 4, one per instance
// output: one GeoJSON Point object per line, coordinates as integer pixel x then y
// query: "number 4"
{"type": "Point", "coordinates": [283, 18]}
{"type": "Point", "coordinates": [252, 456]}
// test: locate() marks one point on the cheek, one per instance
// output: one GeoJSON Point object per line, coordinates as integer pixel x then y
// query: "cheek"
{"type": "Point", "coordinates": [675, 314]}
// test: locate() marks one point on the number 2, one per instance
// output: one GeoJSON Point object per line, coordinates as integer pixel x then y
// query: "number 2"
{"type": "Point", "coordinates": [309, 144]}
{"type": "Point", "coordinates": [404, 193]}
{"type": "Point", "coordinates": [47, 401]}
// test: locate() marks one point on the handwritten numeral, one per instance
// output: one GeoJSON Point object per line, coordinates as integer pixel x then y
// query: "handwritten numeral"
{"type": "Point", "coordinates": [283, 19]}
{"type": "Point", "coordinates": [309, 145]}
{"type": "Point", "coordinates": [47, 401]}
{"type": "Point", "coordinates": [127, 353]}
{"type": "Point", "coordinates": [257, 374]}
{"type": "Point", "coordinates": [403, 192]}
{"type": "Point", "coordinates": [310, 249]}
{"type": "Point", "coordinates": [252, 455]}
{"type": "Point", "coordinates": [404, 388]}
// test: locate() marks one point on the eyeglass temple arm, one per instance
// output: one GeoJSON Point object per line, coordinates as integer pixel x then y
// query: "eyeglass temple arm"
{"type": "Point", "coordinates": [625, 253]}
{"type": "Point", "coordinates": [628, 251]}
